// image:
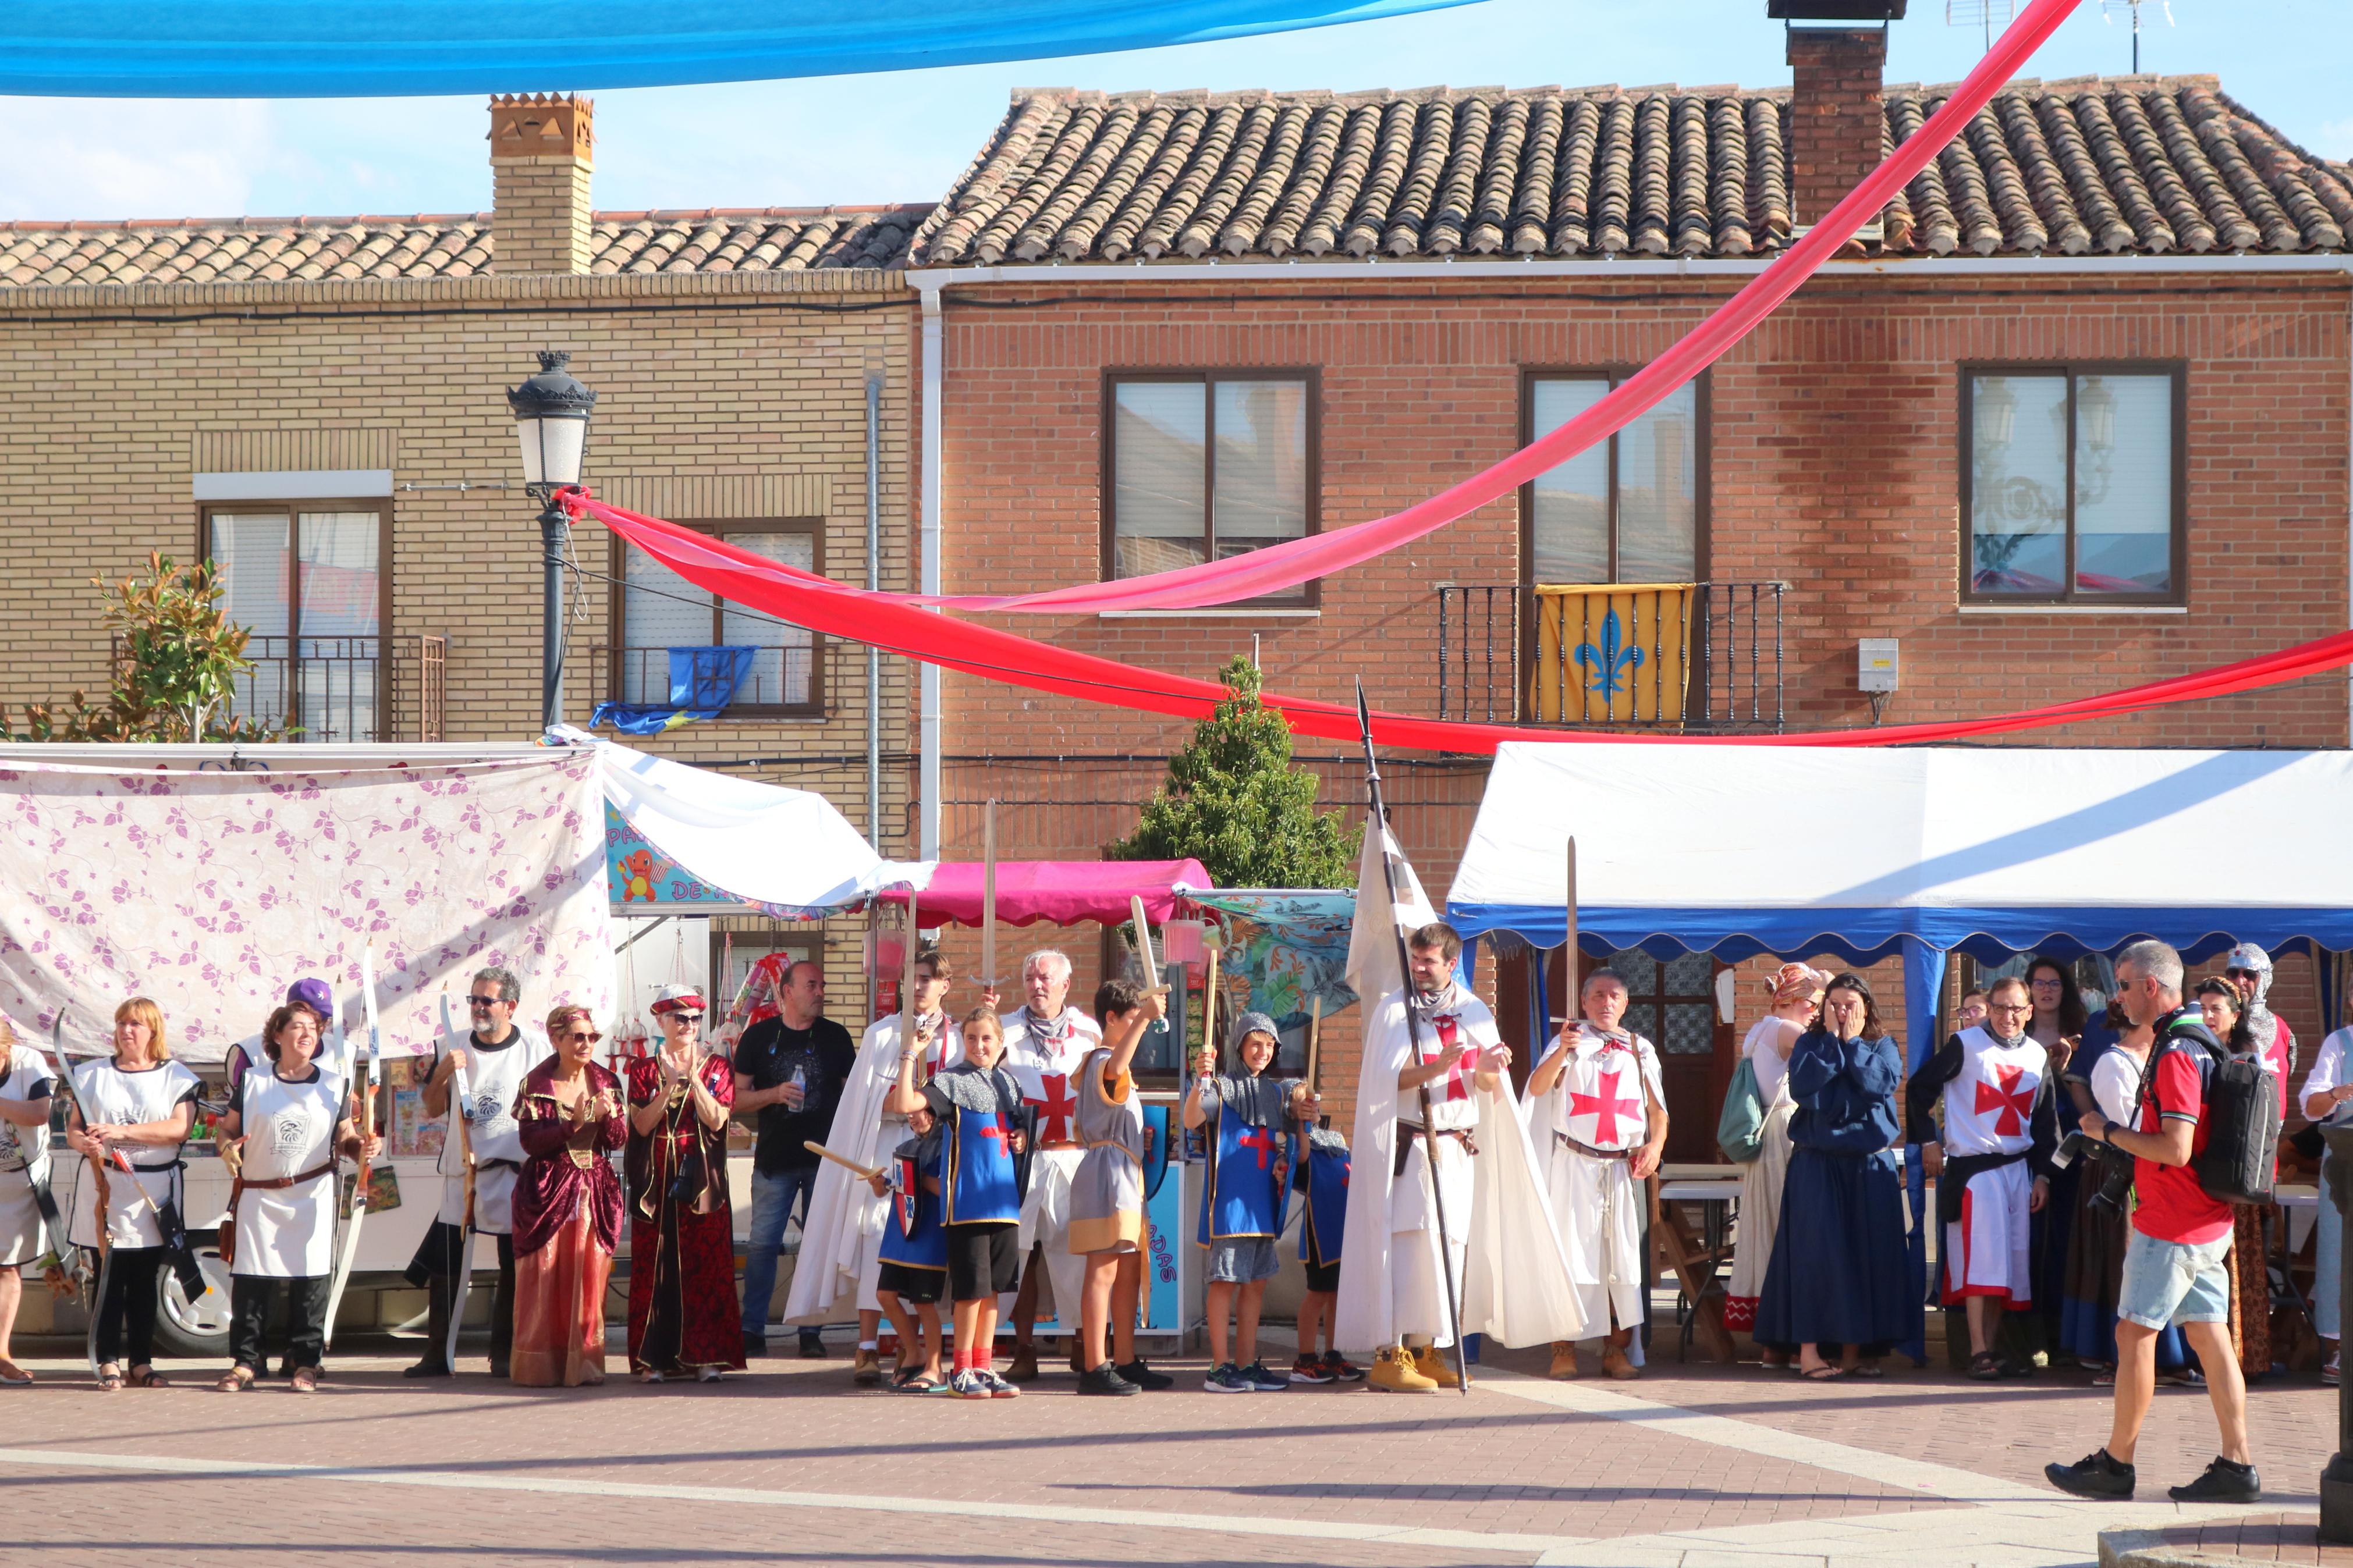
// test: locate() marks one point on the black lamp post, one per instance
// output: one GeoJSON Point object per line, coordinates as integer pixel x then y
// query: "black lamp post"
{"type": "Point", "coordinates": [2337, 1481]}
{"type": "Point", "coordinates": [551, 416]}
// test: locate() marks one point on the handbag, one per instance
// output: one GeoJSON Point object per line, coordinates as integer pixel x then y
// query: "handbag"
{"type": "Point", "coordinates": [1740, 1129]}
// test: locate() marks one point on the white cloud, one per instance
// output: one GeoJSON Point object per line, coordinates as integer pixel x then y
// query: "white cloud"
{"type": "Point", "coordinates": [81, 158]}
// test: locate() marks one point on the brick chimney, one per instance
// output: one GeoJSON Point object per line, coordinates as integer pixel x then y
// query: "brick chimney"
{"type": "Point", "coordinates": [539, 165]}
{"type": "Point", "coordinates": [1835, 116]}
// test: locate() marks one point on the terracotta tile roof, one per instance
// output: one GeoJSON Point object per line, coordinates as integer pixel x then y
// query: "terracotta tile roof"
{"type": "Point", "coordinates": [2096, 165]}
{"type": "Point", "coordinates": [204, 250]}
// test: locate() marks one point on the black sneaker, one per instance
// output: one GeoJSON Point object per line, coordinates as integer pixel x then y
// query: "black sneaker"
{"type": "Point", "coordinates": [1226, 1378]}
{"type": "Point", "coordinates": [1144, 1377]}
{"type": "Point", "coordinates": [1263, 1381]}
{"type": "Point", "coordinates": [1342, 1369]}
{"type": "Point", "coordinates": [1105, 1379]}
{"type": "Point", "coordinates": [2223, 1482]}
{"type": "Point", "coordinates": [431, 1366]}
{"type": "Point", "coordinates": [2094, 1476]}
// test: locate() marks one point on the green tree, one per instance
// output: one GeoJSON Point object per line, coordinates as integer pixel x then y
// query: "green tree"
{"type": "Point", "coordinates": [1234, 803]}
{"type": "Point", "coordinates": [175, 670]}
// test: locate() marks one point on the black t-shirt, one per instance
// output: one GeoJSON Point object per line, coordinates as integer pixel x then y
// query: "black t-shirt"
{"type": "Point", "coordinates": [767, 1055]}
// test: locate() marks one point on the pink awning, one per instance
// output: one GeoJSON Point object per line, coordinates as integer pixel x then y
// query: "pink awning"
{"type": "Point", "coordinates": [1060, 892]}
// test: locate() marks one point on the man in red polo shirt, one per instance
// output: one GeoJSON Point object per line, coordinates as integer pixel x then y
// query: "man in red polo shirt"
{"type": "Point", "coordinates": [2174, 1271]}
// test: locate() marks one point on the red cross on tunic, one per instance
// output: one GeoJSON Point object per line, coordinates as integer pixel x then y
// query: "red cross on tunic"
{"type": "Point", "coordinates": [1055, 1109]}
{"type": "Point", "coordinates": [1604, 1108]}
{"type": "Point", "coordinates": [2014, 1103]}
{"type": "Point", "coordinates": [1458, 1081]}
{"type": "Point", "coordinates": [1260, 1139]}
{"type": "Point", "coordinates": [994, 1131]}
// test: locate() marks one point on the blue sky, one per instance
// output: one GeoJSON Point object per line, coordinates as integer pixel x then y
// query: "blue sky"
{"type": "Point", "coordinates": [905, 136]}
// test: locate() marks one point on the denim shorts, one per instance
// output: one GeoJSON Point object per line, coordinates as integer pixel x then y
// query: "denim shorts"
{"type": "Point", "coordinates": [2167, 1282]}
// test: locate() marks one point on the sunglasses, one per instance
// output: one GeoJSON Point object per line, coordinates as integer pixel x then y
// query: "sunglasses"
{"type": "Point", "coordinates": [2241, 974]}
{"type": "Point", "coordinates": [484, 1001]}
{"type": "Point", "coordinates": [588, 1036]}
{"type": "Point", "coordinates": [686, 1017]}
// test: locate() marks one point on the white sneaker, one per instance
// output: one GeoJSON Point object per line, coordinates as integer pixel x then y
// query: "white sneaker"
{"type": "Point", "coordinates": [708, 1374]}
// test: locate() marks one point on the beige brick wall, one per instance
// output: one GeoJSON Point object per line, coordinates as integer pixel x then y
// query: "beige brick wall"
{"type": "Point", "coordinates": [720, 397]}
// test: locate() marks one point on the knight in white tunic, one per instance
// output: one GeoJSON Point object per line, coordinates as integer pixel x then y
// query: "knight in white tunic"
{"type": "Point", "coordinates": [137, 1103]}
{"type": "Point", "coordinates": [288, 1123]}
{"type": "Point", "coordinates": [1992, 1162]}
{"type": "Point", "coordinates": [1474, 1159]}
{"type": "Point", "coordinates": [841, 1229]}
{"type": "Point", "coordinates": [1047, 1040]}
{"type": "Point", "coordinates": [1597, 1112]}
{"type": "Point", "coordinates": [25, 1090]}
{"type": "Point", "coordinates": [496, 1056]}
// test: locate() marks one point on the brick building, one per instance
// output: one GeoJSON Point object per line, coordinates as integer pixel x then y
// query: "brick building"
{"type": "Point", "coordinates": [318, 404]}
{"type": "Point", "coordinates": [2071, 416]}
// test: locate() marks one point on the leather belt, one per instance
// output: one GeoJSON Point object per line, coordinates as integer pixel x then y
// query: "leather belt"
{"type": "Point", "coordinates": [1409, 1131]}
{"type": "Point", "coordinates": [1588, 1151]}
{"type": "Point", "coordinates": [278, 1183]}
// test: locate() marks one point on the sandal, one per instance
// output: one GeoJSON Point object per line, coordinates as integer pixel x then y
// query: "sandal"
{"type": "Point", "coordinates": [146, 1376]}
{"type": "Point", "coordinates": [306, 1380]}
{"type": "Point", "coordinates": [235, 1380]}
{"type": "Point", "coordinates": [1825, 1372]}
{"type": "Point", "coordinates": [13, 1376]}
{"type": "Point", "coordinates": [109, 1377]}
{"type": "Point", "coordinates": [1985, 1367]}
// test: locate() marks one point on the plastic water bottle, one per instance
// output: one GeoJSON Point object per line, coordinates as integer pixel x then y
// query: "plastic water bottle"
{"type": "Point", "coordinates": [800, 1081]}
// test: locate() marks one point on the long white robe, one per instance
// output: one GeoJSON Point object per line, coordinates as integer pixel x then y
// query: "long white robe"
{"type": "Point", "coordinates": [841, 1229]}
{"type": "Point", "coordinates": [1598, 1100]}
{"type": "Point", "coordinates": [1516, 1285]}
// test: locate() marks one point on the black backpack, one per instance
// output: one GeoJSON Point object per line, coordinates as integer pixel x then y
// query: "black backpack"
{"type": "Point", "coordinates": [2240, 1164]}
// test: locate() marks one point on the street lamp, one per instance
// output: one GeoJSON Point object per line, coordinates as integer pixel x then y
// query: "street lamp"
{"type": "Point", "coordinates": [551, 416]}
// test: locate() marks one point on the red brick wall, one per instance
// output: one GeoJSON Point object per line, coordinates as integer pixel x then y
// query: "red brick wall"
{"type": "Point", "coordinates": [1836, 115]}
{"type": "Point", "coordinates": [1833, 434]}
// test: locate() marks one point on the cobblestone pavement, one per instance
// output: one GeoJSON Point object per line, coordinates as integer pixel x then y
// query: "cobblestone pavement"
{"type": "Point", "coordinates": [1690, 1467]}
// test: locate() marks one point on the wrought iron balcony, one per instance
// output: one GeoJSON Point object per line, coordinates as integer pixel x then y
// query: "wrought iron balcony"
{"type": "Point", "coordinates": [344, 688]}
{"type": "Point", "coordinates": [780, 683]}
{"type": "Point", "coordinates": [1695, 657]}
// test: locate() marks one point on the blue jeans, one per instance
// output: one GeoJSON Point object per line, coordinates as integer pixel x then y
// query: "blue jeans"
{"type": "Point", "coordinates": [2328, 1257]}
{"type": "Point", "coordinates": [774, 1200]}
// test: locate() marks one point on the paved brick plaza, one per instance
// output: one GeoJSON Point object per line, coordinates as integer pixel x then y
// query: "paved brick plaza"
{"type": "Point", "coordinates": [1693, 1466]}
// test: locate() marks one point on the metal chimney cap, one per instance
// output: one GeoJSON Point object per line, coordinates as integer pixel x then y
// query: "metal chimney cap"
{"type": "Point", "coordinates": [1835, 10]}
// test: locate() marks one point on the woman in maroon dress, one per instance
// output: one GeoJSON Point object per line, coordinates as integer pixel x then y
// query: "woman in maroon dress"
{"type": "Point", "coordinates": [683, 1315]}
{"type": "Point", "coordinates": [567, 1208]}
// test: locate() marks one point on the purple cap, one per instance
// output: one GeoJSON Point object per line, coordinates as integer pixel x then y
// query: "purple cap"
{"type": "Point", "coordinates": [314, 995]}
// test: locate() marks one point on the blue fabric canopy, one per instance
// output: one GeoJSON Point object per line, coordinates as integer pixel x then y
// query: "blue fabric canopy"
{"type": "Point", "coordinates": [341, 49]}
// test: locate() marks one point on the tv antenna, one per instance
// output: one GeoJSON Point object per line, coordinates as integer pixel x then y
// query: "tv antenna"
{"type": "Point", "coordinates": [1987, 12]}
{"type": "Point", "coordinates": [2108, 9]}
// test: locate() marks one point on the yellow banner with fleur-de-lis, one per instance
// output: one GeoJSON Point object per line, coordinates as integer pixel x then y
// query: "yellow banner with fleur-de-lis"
{"type": "Point", "coordinates": [1610, 653]}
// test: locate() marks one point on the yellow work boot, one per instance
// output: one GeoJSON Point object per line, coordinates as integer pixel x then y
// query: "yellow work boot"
{"type": "Point", "coordinates": [1437, 1366]}
{"type": "Point", "coordinates": [1564, 1361]}
{"type": "Point", "coordinates": [1394, 1373]}
{"type": "Point", "coordinates": [1617, 1365]}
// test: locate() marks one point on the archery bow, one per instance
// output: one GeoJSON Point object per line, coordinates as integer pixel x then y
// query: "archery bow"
{"type": "Point", "coordinates": [1412, 999]}
{"type": "Point", "coordinates": [461, 1121]}
{"type": "Point", "coordinates": [101, 1193]}
{"type": "Point", "coordinates": [364, 1067]}
{"type": "Point", "coordinates": [56, 1238]}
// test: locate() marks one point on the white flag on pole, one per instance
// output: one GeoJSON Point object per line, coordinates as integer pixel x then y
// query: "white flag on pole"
{"type": "Point", "coordinates": [1372, 944]}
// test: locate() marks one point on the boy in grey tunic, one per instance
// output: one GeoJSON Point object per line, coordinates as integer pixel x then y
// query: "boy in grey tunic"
{"type": "Point", "coordinates": [1242, 1258]}
{"type": "Point", "coordinates": [1107, 1193]}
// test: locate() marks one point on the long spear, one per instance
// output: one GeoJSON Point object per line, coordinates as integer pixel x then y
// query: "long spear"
{"type": "Point", "coordinates": [364, 1068]}
{"type": "Point", "coordinates": [1379, 824]}
{"type": "Point", "coordinates": [101, 1193]}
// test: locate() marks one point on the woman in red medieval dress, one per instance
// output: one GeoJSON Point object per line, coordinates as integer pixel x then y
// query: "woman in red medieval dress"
{"type": "Point", "coordinates": [567, 1208]}
{"type": "Point", "coordinates": [684, 1318]}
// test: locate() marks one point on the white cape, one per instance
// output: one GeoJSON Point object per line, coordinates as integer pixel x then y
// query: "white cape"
{"type": "Point", "coordinates": [844, 1220]}
{"type": "Point", "coordinates": [1516, 1287]}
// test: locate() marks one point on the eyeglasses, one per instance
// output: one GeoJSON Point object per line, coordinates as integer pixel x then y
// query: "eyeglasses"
{"type": "Point", "coordinates": [484, 1001]}
{"type": "Point", "coordinates": [2011, 1007]}
{"type": "Point", "coordinates": [589, 1037]}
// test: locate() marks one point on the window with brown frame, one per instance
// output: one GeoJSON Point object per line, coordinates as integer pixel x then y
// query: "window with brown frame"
{"type": "Point", "coordinates": [1206, 464]}
{"type": "Point", "coordinates": [1632, 508]}
{"type": "Point", "coordinates": [2071, 484]}
{"type": "Point", "coordinates": [307, 580]}
{"type": "Point", "coordinates": [655, 611]}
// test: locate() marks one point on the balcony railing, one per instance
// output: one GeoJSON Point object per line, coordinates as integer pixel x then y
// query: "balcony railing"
{"type": "Point", "coordinates": [1689, 657]}
{"type": "Point", "coordinates": [782, 679]}
{"type": "Point", "coordinates": [343, 688]}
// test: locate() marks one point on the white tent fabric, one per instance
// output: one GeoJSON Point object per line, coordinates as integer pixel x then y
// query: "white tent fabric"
{"type": "Point", "coordinates": [761, 842]}
{"type": "Point", "coordinates": [209, 878]}
{"type": "Point", "coordinates": [1747, 848]}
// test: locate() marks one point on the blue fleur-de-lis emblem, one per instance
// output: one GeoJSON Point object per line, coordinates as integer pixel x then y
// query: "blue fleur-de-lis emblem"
{"type": "Point", "coordinates": [1612, 661]}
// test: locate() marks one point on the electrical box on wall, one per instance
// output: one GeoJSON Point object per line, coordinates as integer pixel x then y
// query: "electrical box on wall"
{"type": "Point", "coordinates": [1876, 665]}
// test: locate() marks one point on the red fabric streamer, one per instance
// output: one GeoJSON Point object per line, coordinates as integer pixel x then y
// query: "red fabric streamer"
{"type": "Point", "coordinates": [886, 621]}
{"type": "Point", "coordinates": [1294, 562]}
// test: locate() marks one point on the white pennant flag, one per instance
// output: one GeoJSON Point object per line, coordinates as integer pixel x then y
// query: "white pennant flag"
{"type": "Point", "coordinates": [1373, 943]}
